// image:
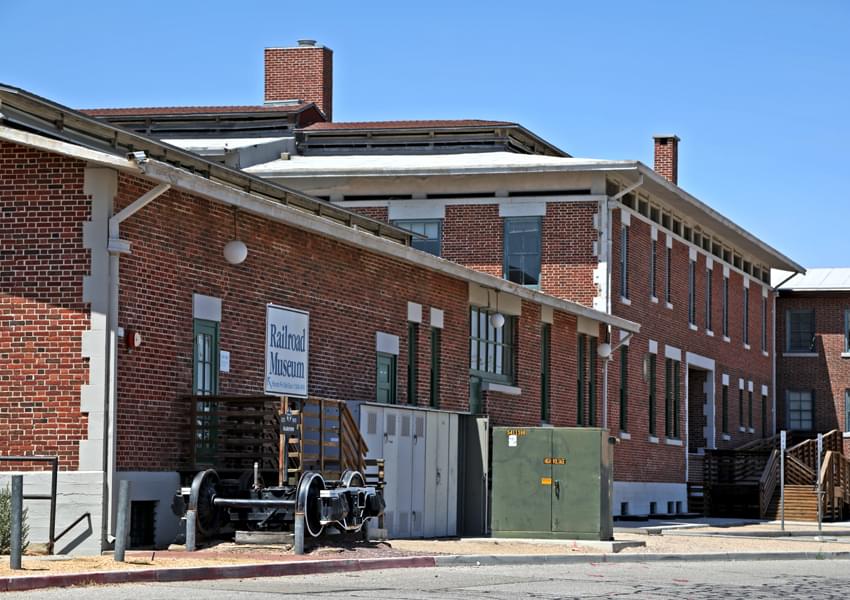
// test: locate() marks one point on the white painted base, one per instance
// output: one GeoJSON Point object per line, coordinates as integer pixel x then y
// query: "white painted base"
{"type": "Point", "coordinates": [78, 493]}
{"type": "Point", "coordinates": [640, 494]}
{"type": "Point", "coordinates": [161, 486]}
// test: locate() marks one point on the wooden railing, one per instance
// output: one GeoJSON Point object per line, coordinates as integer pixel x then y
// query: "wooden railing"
{"type": "Point", "coordinates": [230, 433]}
{"type": "Point", "coordinates": [834, 480]}
{"type": "Point", "coordinates": [733, 466]}
{"type": "Point", "coordinates": [807, 451]}
{"type": "Point", "coordinates": [766, 444]}
{"type": "Point", "coordinates": [768, 482]}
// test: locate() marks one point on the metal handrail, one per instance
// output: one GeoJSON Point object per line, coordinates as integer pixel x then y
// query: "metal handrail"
{"type": "Point", "coordinates": [54, 466]}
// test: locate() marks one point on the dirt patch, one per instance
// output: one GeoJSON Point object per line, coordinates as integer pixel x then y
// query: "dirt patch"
{"type": "Point", "coordinates": [52, 566]}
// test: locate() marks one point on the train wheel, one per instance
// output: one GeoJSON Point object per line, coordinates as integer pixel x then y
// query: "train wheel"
{"type": "Point", "coordinates": [208, 517]}
{"type": "Point", "coordinates": [309, 502]}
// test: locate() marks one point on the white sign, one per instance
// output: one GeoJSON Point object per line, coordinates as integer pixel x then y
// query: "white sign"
{"type": "Point", "coordinates": [512, 441]}
{"type": "Point", "coordinates": [224, 361]}
{"type": "Point", "coordinates": [782, 438]}
{"type": "Point", "coordinates": [287, 351]}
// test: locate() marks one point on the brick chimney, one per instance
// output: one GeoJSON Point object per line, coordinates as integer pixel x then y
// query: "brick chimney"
{"type": "Point", "coordinates": [301, 73]}
{"type": "Point", "coordinates": [667, 156]}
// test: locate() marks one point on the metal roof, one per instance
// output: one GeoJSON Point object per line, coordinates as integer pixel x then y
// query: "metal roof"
{"type": "Point", "coordinates": [829, 279]}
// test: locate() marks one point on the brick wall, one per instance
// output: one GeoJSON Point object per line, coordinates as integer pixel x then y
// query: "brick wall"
{"type": "Point", "coordinates": [473, 236]}
{"type": "Point", "coordinates": [42, 315]}
{"type": "Point", "coordinates": [568, 262]}
{"type": "Point", "coordinates": [300, 74]}
{"type": "Point", "coordinates": [670, 327]}
{"type": "Point", "coordinates": [827, 374]}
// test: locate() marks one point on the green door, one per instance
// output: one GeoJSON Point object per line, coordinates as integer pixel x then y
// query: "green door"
{"type": "Point", "coordinates": [386, 384]}
{"type": "Point", "coordinates": [576, 481]}
{"type": "Point", "coordinates": [522, 481]}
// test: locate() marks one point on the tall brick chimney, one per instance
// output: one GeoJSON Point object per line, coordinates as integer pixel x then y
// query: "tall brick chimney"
{"type": "Point", "coordinates": [301, 73]}
{"type": "Point", "coordinates": [667, 156]}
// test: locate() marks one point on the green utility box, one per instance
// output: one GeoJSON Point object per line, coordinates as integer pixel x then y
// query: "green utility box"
{"type": "Point", "coordinates": [552, 482]}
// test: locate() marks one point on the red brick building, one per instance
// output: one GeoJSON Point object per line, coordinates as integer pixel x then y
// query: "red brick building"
{"type": "Point", "coordinates": [813, 346]}
{"type": "Point", "coordinates": [614, 235]}
{"type": "Point", "coordinates": [117, 303]}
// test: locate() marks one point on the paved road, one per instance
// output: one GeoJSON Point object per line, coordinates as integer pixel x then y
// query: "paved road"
{"type": "Point", "coordinates": [821, 579]}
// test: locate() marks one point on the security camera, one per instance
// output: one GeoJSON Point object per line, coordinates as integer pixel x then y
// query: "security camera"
{"type": "Point", "coordinates": [139, 156]}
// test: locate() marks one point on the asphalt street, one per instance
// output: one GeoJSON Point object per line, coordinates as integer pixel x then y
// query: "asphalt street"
{"type": "Point", "coordinates": [753, 580]}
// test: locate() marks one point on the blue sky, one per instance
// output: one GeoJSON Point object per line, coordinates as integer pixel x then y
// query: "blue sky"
{"type": "Point", "coordinates": [758, 91]}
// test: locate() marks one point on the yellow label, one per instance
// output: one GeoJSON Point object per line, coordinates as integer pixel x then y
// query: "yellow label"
{"type": "Point", "coordinates": [516, 432]}
{"type": "Point", "coordinates": [554, 460]}
{"type": "Point", "coordinates": [545, 481]}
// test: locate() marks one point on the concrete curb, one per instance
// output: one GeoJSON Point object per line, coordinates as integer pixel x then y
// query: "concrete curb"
{"type": "Point", "coordinates": [310, 567]}
{"type": "Point", "coordinates": [306, 567]}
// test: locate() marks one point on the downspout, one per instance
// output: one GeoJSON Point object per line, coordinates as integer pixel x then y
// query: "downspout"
{"type": "Point", "coordinates": [116, 247]}
{"type": "Point", "coordinates": [607, 359]}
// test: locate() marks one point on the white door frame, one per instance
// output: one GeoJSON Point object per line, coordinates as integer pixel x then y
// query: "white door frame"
{"type": "Point", "coordinates": [710, 431]}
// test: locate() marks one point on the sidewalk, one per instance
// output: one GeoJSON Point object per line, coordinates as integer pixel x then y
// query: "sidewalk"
{"type": "Point", "coordinates": [694, 540]}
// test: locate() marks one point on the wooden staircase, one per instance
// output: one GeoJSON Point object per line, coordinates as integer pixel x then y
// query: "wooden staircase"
{"type": "Point", "coordinates": [801, 481]}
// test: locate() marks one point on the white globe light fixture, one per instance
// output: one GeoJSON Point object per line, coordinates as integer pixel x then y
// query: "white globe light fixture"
{"type": "Point", "coordinates": [497, 320]}
{"type": "Point", "coordinates": [235, 252]}
{"type": "Point", "coordinates": [604, 350]}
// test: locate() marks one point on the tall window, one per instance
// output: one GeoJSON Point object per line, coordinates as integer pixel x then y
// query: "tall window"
{"type": "Point", "coordinates": [764, 324]}
{"type": "Point", "coordinates": [522, 250]}
{"type": "Point", "coordinates": [724, 410]}
{"type": "Point", "coordinates": [653, 259]}
{"type": "Point", "coordinates": [847, 330]}
{"type": "Point", "coordinates": [800, 410]}
{"type": "Point", "coordinates": [846, 410]}
{"type": "Point", "coordinates": [624, 261]}
{"type": "Point", "coordinates": [763, 415]}
{"type": "Point", "coordinates": [580, 391]}
{"type": "Point", "coordinates": [436, 359]}
{"type": "Point", "coordinates": [386, 386]}
{"type": "Point", "coordinates": [668, 276]}
{"type": "Point", "coordinates": [671, 398]}
{"type": "Point", "coordinates": [800, 330]}
{"type": "Point", "coordinates": [726, 307]}
{"type": "Point", "coordinates": [206, 355]}
{"type": "Point", "coordinates": [491, 349]}
{"type": "Point", "coordinates": [708, 298]}
{"type": "Point", "coordinates": [624, 388]}
{"type": "Point", "coordinates": [412, 367]}
{"type": "Point", "coordinates": [750, 409]}
{"type": "Point", "coordinates": [692, 292]}
{"type": "Point", "coordinates": [746, 331]}
{"type": "Point", "coordinates": [740, 407]}
{"type": "Point", "coordinates": [652, 387]}
{"type": "Point", "coordinates": [431, 231]}
{"type": "Point", "coordinates": [591, 381]}
{"type": "Point", "coordinates": [545, 342]}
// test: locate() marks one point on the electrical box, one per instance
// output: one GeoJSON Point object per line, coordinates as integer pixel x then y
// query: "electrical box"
{"type": "Point", "coordinates": [552, 482]}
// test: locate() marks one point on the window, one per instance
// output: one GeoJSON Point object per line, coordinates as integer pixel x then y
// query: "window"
{"type": "Point", "coordinates": [580, 358]}
{"type": "Point", "coordinates": [386, 378]}
{"type": "Point", "coordinates": [708, 294]}
{"type": "Point", "coordinates": [545, 341]}
{"type": "Point", "coordinates": [750, 409]}
{"type": "Point", "coordinates": [522, 250]}
{"type": "Point", "coordinates": [430, 229]}
{"type": "Point", "coordinates": [724, 410]}
{"type": "Point", "coordinates": [624, 261]}
{"type": "Point", "coordinates": [763, 415]}
{"type": "Point", "coordinates": [412, 367]}
{"type": "Point", "coordinates": [206, 355]}
{"type": "Point", "coordinates": [740, 407]}
{"type": "Point", "coordinates": [624, 388]}
{"type": "Point", "coordinates": [847, 330]}
{"type": "Point", "coordinates": [746, 324]}
{"type": "Point", "coordinates": [692, 292]}
{"type": "Point", "coordinates": [726, 307]}
{"type": "Point", "coordinates": [491, 349]}
{"type": "Point", "coordinates": [652, 417]}
{"type": "Point", "coordinates": [846, 410]}
{"type": "Point", "coordinates": [764, 324]}
{"type": "Point", "coordinates": [652, 265]}
{"type": "Point", "coordinates": [591, 384]}
{"type": "Point", "coordinates": [800, 325]}
{"type": "Point", "coordinates": [436, 349]}
{"type": "Point", "coordinates": [671, 398]}
{"type": "Point", "coordinates": [668, 273]}
{"type": "Point", "coordinates": [800, 410]}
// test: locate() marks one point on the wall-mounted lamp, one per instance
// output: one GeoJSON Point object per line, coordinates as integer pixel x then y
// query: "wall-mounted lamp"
{"type": "Point", "coordinates": [497, 319]}
{"type": "Point", "coordinates": [235, 251]}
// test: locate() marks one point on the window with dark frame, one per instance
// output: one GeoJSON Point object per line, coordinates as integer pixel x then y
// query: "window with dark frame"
{"type": "Point", "coordinates": [653, 259]}
{"type": "Point", "coordinates": [847, 410]}
{"type": "Point", "coordinates": [764, 324]}
{"type": "Point", "coordinates": [800, 410]}
{"type": "Point", "coordinates": [724, 410]}
{"type": "Point", "coordinates": [668, 276]}
{"type": "Point", "coordinates": [545, 352]}
{"type": "Point", "coordinates": [581, 350]}
{"type": "Point", "coordinates": [692, 292]}
{"type": "Point", "coordinates": [750, 409]}
{"type": "Point", "coordinates": [740, 407]}
{"type": "Point", "coordinates": [412, 366]}
{"type": "Point", "coordinates": [726, 307]}
{"type": "Point", "coordinates": [708, 298]}
{"type": "Point", "coordinates": [522, 250]}
{"type": "Point", "coordinates": [746, 319]}
{"type": "Point", "coordinates": [386, 378]}
{"type": "Point", "coordinates": [491, 349]}
{"type": "Point", "coordinates": [763, 415]}
{"type": "Point", "coordinates": [205, 358]}
{"type": "Point", "coordinates": [430, 229]}
{"type": "Point", "coordinates": [847, 330]}
{"type": "Point", "coordinates": [652, 391]}
{"type": "Point", "coordinates": [436, 359]}
{"type": "Point", "coordinates": [624, 388]}
{"type": "Point", "coordinates": [671, 398]}
{"type": "Point", "coordinates": [591, 381]}
{"type": "Point", "coordinates": [800, 330]}
{"type": "Point", "coordinates": [624, 261]}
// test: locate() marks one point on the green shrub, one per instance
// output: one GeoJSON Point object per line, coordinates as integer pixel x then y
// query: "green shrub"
{"type": "Point", "coordinates": [6, 522]}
